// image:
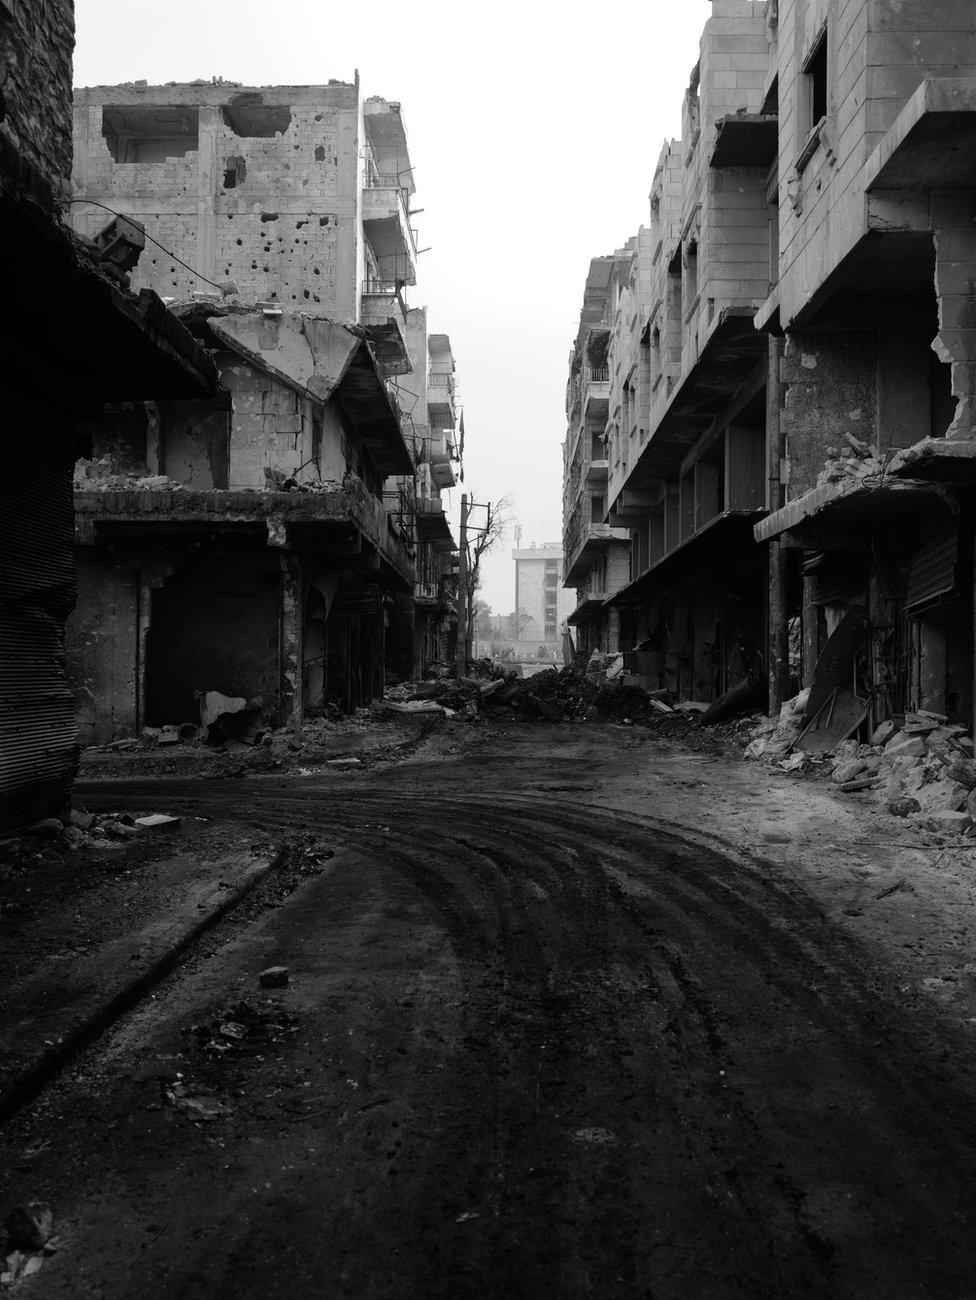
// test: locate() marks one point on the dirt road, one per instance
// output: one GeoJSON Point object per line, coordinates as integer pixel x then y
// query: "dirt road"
{"type": "Point", "coordinates": [532, 1046]}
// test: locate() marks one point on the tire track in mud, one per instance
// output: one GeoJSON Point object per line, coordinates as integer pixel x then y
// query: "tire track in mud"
{"type": "Point", "coordinates": [769, 1121]}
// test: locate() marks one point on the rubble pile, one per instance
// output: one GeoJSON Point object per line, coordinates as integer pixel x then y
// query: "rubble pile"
{"type": "Point", "coordinates": [77, 829]}
{"type": "Point", "coordinates": [918, 765]}
{"type": "Point", "coordinates": [859, 460]}
{"type": "Point", "coordinates": [102, 476]}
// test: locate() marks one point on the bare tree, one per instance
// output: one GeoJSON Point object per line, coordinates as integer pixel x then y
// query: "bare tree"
{"type": "Point", "coordinates": [486, 531]}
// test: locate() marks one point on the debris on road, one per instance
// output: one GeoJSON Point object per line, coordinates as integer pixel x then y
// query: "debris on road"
{"type": "Point", "coordinates": [200, 1106]}
{"type": "Point", "coordinates": [158, 822]}
{"type": "Point", "coordinates": [30, 1240]}
{"type": "Point", "coordinates": [30, 1226]}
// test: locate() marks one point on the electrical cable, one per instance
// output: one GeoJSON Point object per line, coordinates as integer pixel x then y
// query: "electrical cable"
{"type": "Point", "coordinates": [167, 251]}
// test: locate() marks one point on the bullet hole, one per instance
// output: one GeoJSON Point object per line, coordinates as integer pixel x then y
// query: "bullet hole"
{"type": "Point", "coordinates": [320, 153]}
{"type": "Point", "coordinates": [269, 216]}
{"type": "Point", "coordinates": [315, 270]}
{"type": "Point", "coordinates": [306, 294]}
{"type": "Point", "coordinates": [299, 224]}
{"type": "Point", "coordinates": [254, 266]}
{"type": "Point", "coordinates": [323, 221]}
{"type": "Point", "coordinates": [266, 270]}
{"type": "Point", "coordinates": [318, 117]}
{"type": "Point", "coordinates": [240, 243]}
{"type": "Point", "coordinates": [316, 298]}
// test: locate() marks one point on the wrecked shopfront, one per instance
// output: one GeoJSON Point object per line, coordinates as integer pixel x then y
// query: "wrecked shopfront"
{"type": "Point", "coordinates": [241, 545]}
{"type": "Point", "coordinates": [77, 338]}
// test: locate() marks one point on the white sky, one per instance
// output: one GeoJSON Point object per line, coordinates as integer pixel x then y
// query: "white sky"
{"type": "Point", "coordinates": [534, 129]}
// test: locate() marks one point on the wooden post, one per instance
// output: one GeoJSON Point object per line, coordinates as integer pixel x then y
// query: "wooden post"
{"type": "Point", "coordinates": [461, 660]}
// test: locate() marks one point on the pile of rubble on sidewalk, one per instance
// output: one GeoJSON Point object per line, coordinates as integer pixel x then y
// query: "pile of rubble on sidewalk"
{"type": "Point", "coordinates": [916, 764]}
{"type": "Point", "coordinates": [77, 828]}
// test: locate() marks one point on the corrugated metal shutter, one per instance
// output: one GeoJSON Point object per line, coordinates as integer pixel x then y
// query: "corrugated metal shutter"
{"type": "Point", "coordinates": [933, 572]}
{"type": "Point", "coordinates": [838, 578]}
{"type": "Point", "coordinates": [38, 737]}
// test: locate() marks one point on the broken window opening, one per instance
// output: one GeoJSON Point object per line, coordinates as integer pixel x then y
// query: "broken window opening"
{"type": "Point", "coordinates": [150, 133]}
{"type": "Point", "coordinates": [815, 74]}
{"type": "Point", "coordinates": [257, 121]}
{"type": "Point", "coordinates": [691, 269]}
{"type": "Point", "coordinates": [942, 401]}
{"type": "Point", "coordinates": [235, 173]}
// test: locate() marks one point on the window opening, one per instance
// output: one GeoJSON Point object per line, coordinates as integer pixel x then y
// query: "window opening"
{"type": "Point", "coordinates": [815, 72]}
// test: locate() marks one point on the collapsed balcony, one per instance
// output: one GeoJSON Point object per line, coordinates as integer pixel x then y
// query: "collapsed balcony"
{"type": "Point", "coordinates": [349, 522]}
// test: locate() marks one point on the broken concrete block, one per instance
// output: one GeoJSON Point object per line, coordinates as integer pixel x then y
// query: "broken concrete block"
{"type": "Point", "coordinates": [904, 746]}
{"type": "Point", "coordinates": [848, 770]}
{"type": "Point", "coordinates": [48, 826]}
{"type": "Point", "coordinates": [157, 822]}
{"type": "Point", "coordinates": [946, 822]}
{"type": "Point", "coordinates": [883, 734]}
{"type": "Point", "coordinates": [274, 977]}
{"type": "Point", "coordinates": [902, 807]}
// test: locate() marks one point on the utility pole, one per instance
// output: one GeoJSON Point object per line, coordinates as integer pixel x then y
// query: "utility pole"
{"type": "Point", "coordinates": [461, 658]}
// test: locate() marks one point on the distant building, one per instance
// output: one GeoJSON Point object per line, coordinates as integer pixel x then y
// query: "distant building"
{"type": "Point", "coordinates": [542, 604]}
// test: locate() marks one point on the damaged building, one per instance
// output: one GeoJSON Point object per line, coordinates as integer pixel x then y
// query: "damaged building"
{"type": "Point", "coordinates": [788, 434]}
{"type": "Point", "coordinates": [82, 339]}
{"type": "Point", "coordinates": [871, 319]}
{"type": "Point", "coordinates": [285, 543]}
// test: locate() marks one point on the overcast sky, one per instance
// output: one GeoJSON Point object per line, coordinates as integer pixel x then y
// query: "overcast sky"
{"type": "Point", "coordinates": [534, 128]}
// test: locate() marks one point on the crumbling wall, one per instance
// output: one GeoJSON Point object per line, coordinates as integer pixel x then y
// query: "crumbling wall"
{"type": "Point", "coordinates": [830, 388]}
{"type": "Point", "coordinates": [37, 38]}
{"type": "Point", "coordinates": [270, 426]}
{"type": "Point", "coordinates": [195, 443]}
{"type": "Point", "coordinates": [953, 216]}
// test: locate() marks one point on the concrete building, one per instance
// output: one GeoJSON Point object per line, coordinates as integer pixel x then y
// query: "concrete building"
{"type": "Point", "coordinates": [597, 557]}
{"type": "Point", "coordinates": [684, 439]}
{"type": "Point", "coordinates": [791, 367]}
{"type": "Point", "coordinates": [78, 339]}
{"type": "Point", "coordinates": [542, 605]}
{"type": "Point", "coordinates": [299, 195]}
{"type": "Point", "coordinates": [876, 347]}
{"type": "Point", "coordinates": [305, 502]}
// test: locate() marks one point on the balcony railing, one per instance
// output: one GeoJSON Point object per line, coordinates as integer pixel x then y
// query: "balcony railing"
{"type": "Point", "coordinates": [599, 375]}
{"type": "Point", "coordinates": [380, 288]}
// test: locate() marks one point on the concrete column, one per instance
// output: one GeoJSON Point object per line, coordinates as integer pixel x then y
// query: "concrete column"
{"type": "Point", "coordinates": [779, 628]}
{"type": "Point", "coordinates": [292, 703]}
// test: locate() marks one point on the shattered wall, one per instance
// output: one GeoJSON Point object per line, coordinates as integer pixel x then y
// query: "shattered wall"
{"type": "Point", "coordinates": [876, 385]}
{"type": "Point", "coordinates": [262, 188]}
{"type": "Point", "coordinates": [37, 40]}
